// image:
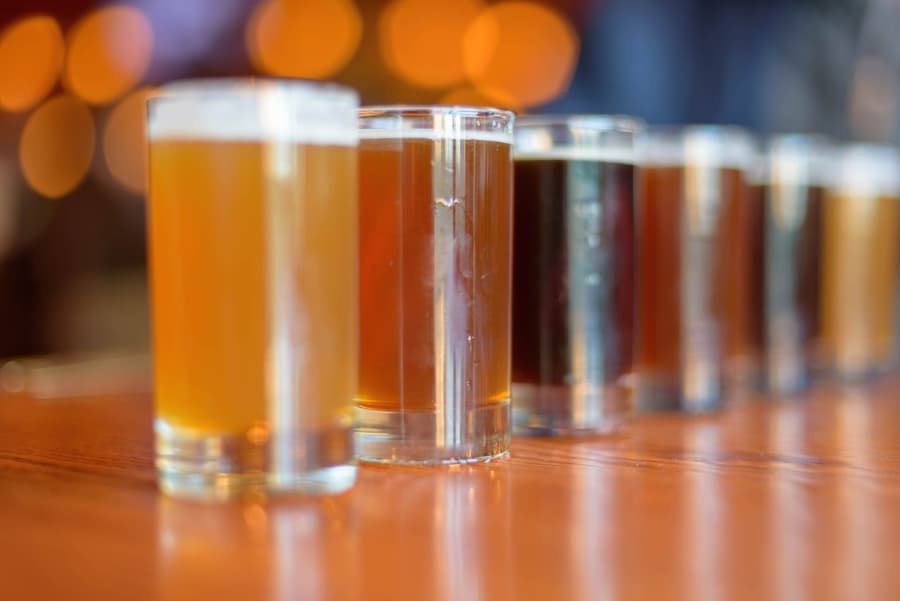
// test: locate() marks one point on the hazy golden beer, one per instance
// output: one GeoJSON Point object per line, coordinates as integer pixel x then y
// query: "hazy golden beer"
{"type": "Point", "coordinates": [253, 225]}
{"type": "Point", "coordinates": [435, 256]}
{"type": "Point", "coordinates": [862, 217]}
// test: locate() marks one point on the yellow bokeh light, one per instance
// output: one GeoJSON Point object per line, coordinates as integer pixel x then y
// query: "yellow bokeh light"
{"type": "Point", "coordinates": [125, 141]}
{"type": "Point", "coordinates": [109, 51]}
{"type": "Point", "coordinates": [303, 38]}
{"type": "Point", "coordinates": [469, 96]}
{"type": "Point", "coordinates": [421, 40]}
{"type": "Point", "coordinates": [57, 146]}
{"type": "Point", "coordinates": [31, 57]}
{"type": "Point", "coordinates": [520, 53]}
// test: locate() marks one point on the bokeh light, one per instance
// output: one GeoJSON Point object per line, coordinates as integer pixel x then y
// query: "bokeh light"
{"type": "Point", "coordinates": [31, 57]}
{"type": "Point", "coordinates": [57, 145]}
{"type": "Point", "coordinates": [421, 40]}
{"type": "Point", "coordinates": [109, 51]}
{"type": "Point", "coordinates": [467, 95]}
{"type": "Point", "coordinates": [520, 53]}
{"type": "Point", "coordinates": [125, 141]}
{"type": "Point", "coordinates": [303, 38]}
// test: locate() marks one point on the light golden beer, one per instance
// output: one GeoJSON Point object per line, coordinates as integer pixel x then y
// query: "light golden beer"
{"type": "Point", "coordinates": [253, 257]}
{"type": "Point", "coordinates": [862, 217]}
{"type": "Point", "coordinates": [436, 260]}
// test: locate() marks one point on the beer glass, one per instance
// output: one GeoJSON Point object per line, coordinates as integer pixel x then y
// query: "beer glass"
{"type": "Point", "coordinates": [573, 273]}
{"type": "Point", "coordinates": [435, 256]}
{"type": "Point", "coordinates": [793, 177]}
{"type": "Point", "coordinates": [859, 278]}
{"type": "Point", "coordinates": [253, 256]}
{"type": "Point", "coordinates": [694, 297]}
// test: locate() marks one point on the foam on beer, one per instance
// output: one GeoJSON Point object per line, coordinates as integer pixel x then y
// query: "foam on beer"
{"type": "Point", "coordinates": [500, 137]}
{"type": "Point", "coordinates": [712, 146]}
{"type": "Point", "coordinates": [868, 169]}
{"type": "Point", "coordinates": [624, 156]}
{"type": "Point", "coordinates": [255, 112]}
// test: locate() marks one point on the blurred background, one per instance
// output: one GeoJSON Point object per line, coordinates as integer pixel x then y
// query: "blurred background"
{"type": "Point", "coordinates": [74, 75]}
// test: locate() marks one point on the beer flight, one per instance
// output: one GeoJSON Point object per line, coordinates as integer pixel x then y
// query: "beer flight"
{"type": "Point", "coordinates": [413, 284]}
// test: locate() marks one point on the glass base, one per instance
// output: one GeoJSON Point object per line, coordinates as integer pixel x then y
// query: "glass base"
{"type": "Point", "coordinates": [562, 411]}
{"type": "Point", "coordinates": [655, 393]}
{"type": "Point", "coordinates": [222, 466]}
{"type": "Point", "coordinates": [430, 437]}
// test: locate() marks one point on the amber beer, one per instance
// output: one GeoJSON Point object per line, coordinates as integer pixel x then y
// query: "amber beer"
{"type": "Point", "coordinates": [573, 273]}
{"type": "Point", "coordinates": [860, 253]}
{"type": "Point", "coordinates": [695, 275]}
{"type": "Point", "coordinates": [435, 252]}
{"type": "Point", "coordinates": [253, 224]}
{"type": "Point", "coordinates": [792, 181]}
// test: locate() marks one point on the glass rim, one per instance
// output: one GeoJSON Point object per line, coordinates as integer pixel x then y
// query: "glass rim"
{"type": "Point", "coordinates": [600, 122]}
{"type": "Point", "coordinates": [711, 145]}
{"type": "Point", "coordinates": [424, 110]}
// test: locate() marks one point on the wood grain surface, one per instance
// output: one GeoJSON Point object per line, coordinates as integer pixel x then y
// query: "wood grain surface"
{"type": "Point", "coordinates": [766, 500]}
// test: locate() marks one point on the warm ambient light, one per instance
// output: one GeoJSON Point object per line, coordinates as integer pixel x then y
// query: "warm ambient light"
{"type": "Point", "coordinates": [521, 53]}
{"type": "Point", "coordinates": [31, 56]}
{"type": "Point", "coordinates": [125, 141]}
{"type": "Point", "coordinates": [469, 96]}
{"type": "Point", "coordinates": [57, 145]}
{"type": "Point", "coordinates": [421, 40]}
{"type": "Point", "coordinates": [303, 38]}
{"type": "Point", "coordinates": [109, 52]}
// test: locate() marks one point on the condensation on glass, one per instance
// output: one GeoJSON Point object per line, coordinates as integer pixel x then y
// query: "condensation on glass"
{"type": "Point", "coordinates": [253, 257]}
{"type": "Point", "coordinates": [860, 257]}
{"type": "Point", "coordinates": [793, 175]}
{"type": "Point", "coordinates": [573, 273]}
{"type": "Point", "coordinates": [695, 225]}
{"type": "Point", "coordinates": [435, 253]}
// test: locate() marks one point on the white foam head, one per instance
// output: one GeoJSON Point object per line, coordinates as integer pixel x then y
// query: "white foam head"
{"type": "Point", "coordinates": [698, 145]}
{"type": "Point", "coordinates": [255, 110]}
{"type": "Point", "coordinates": [436, 123]}
{"type": "Point", "coordinates": [434, 135]}
{"type": "Point", "coordinates": [868, 169]}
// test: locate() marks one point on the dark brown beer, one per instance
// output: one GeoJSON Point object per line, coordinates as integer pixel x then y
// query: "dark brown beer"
{"type": "Point", "coordinates": [573, 286]}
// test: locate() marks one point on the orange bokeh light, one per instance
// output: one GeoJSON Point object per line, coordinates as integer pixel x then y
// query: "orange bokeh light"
{"type": "Point", "coordinates": [469, 96]}
{"type": "Point", "coordinates": [125, 141]}
{"type": "Point", "coordinates": [31, 57]}
{"type": "Point", "coordinates": [421, 40]}
{"type": "Point", "coordinates": [57, 146]}
{"type": "Point", "coordinates": [109, 52]}
{"type": "Point", "coordinates": [303, 38]}
{"type": "Point", "coordinates": [520, 53]}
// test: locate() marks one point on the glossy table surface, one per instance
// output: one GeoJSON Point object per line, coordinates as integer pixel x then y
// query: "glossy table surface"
{"type": "Point", "coordinates": [766, 500]}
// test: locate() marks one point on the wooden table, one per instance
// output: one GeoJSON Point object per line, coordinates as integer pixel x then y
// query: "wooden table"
{"type": "Point", "coordinates": [767, 500]}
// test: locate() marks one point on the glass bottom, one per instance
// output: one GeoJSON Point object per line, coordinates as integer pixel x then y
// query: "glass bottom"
{"type": "Point", "coordinates": [563, 411]}
{"type": "Point", "coordinates": [433, 437]}
{"type": "Point", "coordinates": [226, 466]}
{"type": "Point", "coordinates": [657, 393]}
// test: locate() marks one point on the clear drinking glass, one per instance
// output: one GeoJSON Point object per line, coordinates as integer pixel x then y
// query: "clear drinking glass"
{"type": "Point", "coordinates": [792, 180]}
{"type": "Point", "coordinates": [435, 255]}
{"type": "Point", "coordinates": [573, 273]}
{"type": "Point", "coordinates": [859, 263]}
{"type": "Point", "coordinates": [695, 299]}
{"type": "Point", "coordinates": [253, 256]}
